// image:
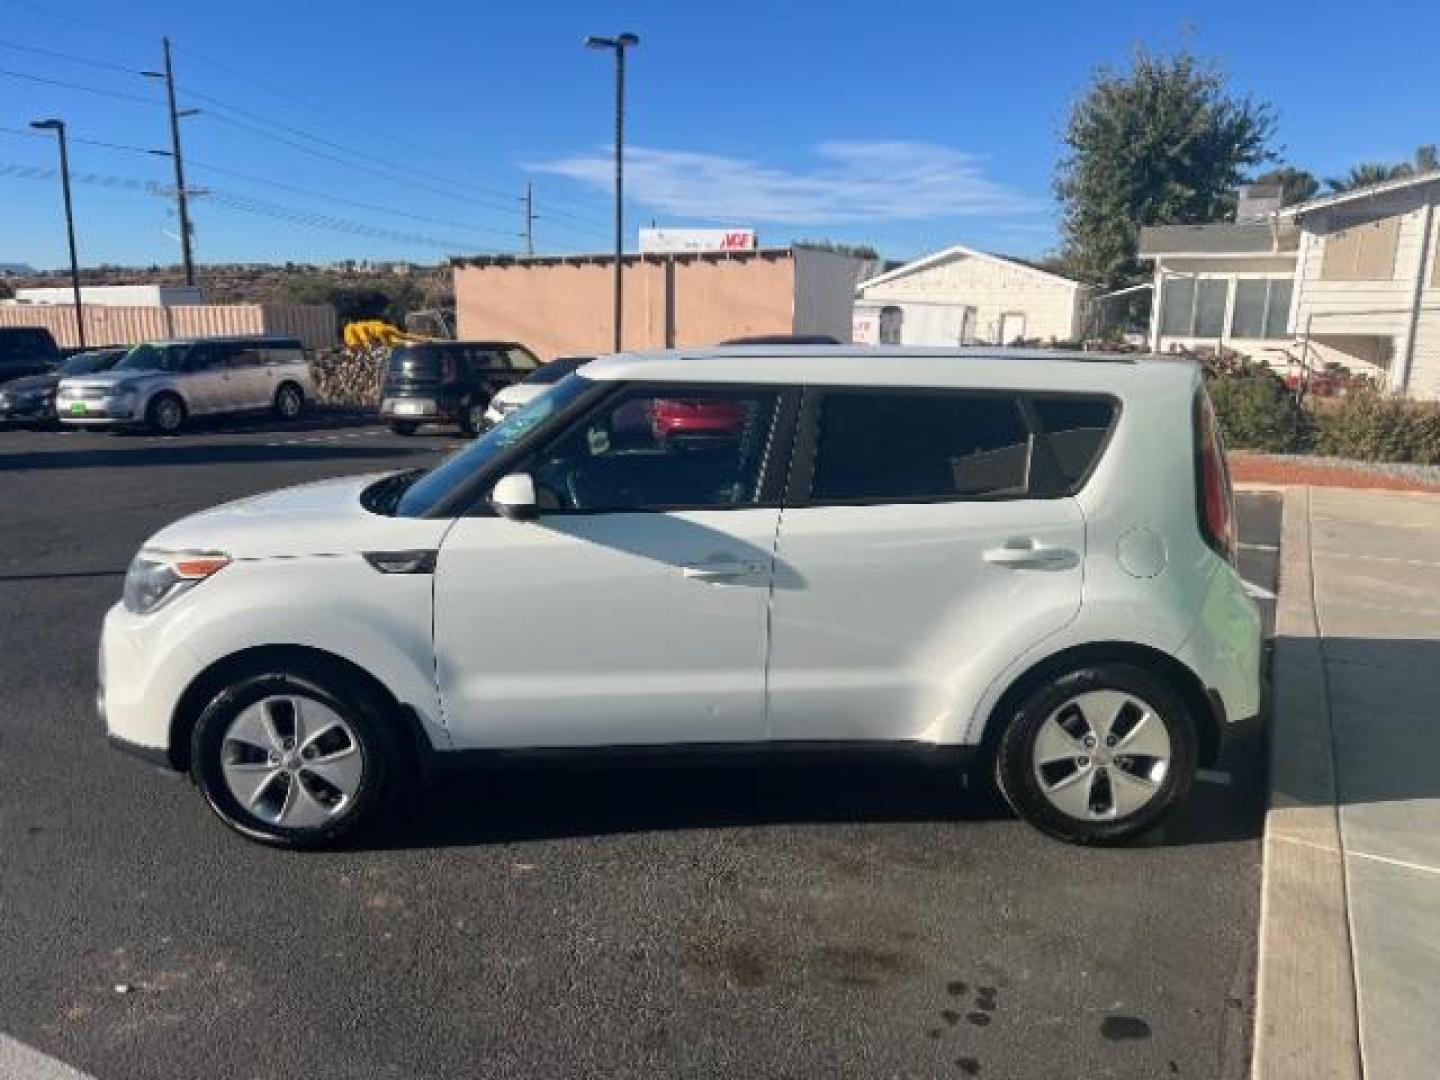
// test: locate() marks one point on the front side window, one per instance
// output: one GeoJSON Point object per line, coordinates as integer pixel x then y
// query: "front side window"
{"type": "Point", "coordinates": [151, 358]}
{"type": "Point", "coordinates": [657, 447]}
{"type": "Point", "coordinates": [919, 447]}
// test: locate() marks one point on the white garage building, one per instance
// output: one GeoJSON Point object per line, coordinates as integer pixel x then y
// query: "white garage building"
{"type": "Point", "coordinates": [961, 296]}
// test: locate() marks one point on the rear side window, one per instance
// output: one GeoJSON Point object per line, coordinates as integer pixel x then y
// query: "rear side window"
{"type": "Point", "coordinates": [884, 446]}
{"type": "Point", "coordinates": [899, 447]}
{"type": "Point", "coordinates": [1076, 429]}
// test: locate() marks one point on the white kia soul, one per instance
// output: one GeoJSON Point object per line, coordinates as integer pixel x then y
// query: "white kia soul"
{"type": "Point", "coordinates": [1022, 559]}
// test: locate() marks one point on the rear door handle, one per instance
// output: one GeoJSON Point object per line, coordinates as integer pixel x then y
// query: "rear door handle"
{"type": "Point", "coordinates": [1030, 556]}
{"type": "Point", "coordinates": [719, 570]}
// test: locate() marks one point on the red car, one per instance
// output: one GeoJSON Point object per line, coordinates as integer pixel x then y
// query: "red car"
{"type": "Point", "coordinates": [695, 417]}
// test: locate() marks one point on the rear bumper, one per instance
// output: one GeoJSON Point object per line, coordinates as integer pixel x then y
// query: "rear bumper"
{"type": "Point", "coordinates": [1227, 650]}
{"type": "Point", "coordinates": [417, 409]}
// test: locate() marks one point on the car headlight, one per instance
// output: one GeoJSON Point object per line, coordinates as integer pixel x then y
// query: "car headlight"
{"type": "Point", "coordinates": [156, 577]}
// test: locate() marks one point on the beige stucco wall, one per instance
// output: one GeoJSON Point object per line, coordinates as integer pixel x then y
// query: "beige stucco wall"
{"type": "Point", "coordinates": [561, 309]}
{"type": "Point", "coordinates": [1053, 308]}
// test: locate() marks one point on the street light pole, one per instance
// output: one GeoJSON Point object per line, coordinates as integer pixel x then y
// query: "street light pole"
{"type": "Point", "coordinates": [618, 45]}
{"type": "Point", "coordinates": [58, 126]}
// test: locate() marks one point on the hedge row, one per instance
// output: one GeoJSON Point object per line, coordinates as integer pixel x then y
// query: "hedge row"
{"type": "Point", "coordinates": [1257, 412]}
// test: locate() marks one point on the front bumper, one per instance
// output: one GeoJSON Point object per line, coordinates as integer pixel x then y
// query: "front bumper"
{"type": "Point", "coordinates": [94, 411]}
{"type": "Point", "coordinates": [141, 677]}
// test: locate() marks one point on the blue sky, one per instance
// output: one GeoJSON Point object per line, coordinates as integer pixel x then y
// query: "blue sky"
{"type": "Point", "coordinates": [385, 131]}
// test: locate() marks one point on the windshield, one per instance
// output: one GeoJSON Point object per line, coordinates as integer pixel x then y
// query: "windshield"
{"type": "Point", "coordinates": [434, 485]}
{"type": "Point", "coordinates": [87, 363]}
{"type": "Point", "coordinates": [150, 358]}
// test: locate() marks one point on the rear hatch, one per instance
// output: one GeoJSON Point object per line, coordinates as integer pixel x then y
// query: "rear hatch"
{"type": "Point", "coordinates": [412, 367]}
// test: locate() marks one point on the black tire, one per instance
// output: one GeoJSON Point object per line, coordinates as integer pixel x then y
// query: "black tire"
{"type": "Point", "coordinates": [381, 748]}
{"type": "Point", "coordinates": [404, 427]}
{"type": "Point", "coordinates": [165, 415]}
{"type": "Point", "coordinates": [1015, 769]}
{"type": "Point", "coordinates": [289, 402]}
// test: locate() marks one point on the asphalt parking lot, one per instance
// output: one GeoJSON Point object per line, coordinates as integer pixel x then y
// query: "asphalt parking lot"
{"type": "Point", "coordinates": [692, 921]}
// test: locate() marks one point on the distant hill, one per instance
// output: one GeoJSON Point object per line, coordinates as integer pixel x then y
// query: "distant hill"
{"type": "Point", "coordinates": [15, 269]}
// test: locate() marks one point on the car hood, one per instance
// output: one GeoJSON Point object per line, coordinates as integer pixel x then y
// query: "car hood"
{"type": "Point", "coordinates": [32, 382]}
{"type": "Point", "coordinates": [321, 518]}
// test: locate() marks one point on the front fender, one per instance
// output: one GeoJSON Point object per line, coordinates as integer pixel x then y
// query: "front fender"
{"type": "Point", "coordinates": [381, 623]}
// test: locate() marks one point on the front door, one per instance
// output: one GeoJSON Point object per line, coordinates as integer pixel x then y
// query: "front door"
{"type": "Point", "coordinates": [634, 610]}
{"type": "Point", "coordinates": [920, 554]}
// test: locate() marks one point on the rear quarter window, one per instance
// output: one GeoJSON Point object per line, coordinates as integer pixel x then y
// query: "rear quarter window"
{"type": "Point", "coordinates": [1077, 429]}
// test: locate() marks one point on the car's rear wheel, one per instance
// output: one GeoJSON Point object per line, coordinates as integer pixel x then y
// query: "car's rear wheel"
{"type": "Point", "coordinates": [1099, 755]}
{"type": "Point", "coordinates": [404, 427]}
{"type": "Point", "coordinates": [295, 754]}
{"type": "Point", "coordinates": [289, 402]}
{"type": "Point", "coordinates": [165, 415]}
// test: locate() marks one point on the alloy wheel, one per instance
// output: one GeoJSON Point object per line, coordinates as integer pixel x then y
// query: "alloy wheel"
{"type": "Point", "coordinates": [292, 762]}
{"type": "Point", "coordinates": [1102, 755]}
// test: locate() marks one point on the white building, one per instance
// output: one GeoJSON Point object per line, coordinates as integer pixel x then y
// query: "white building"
{"type": "Point", "coordinates": [1349, 278]}
{"type": "Point", "coordinates": [114, 295]}
{"type": "Point", "coordinates": [961, 296]}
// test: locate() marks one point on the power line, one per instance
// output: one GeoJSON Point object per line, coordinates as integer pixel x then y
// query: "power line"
{"type": "Point", "coordinates": [243, 204]}
{"type": "Point", "coordinates": [106, 65]}
{"type": "Point", "coordinates": [325, 196]}
{"type": "Point", "coordinates": [119, 95]}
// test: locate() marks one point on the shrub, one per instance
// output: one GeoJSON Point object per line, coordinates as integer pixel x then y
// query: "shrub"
{"type": "Point", "coordinates": [1372, 427]}
{"type": "Point", "coordinates": [1256, 412]}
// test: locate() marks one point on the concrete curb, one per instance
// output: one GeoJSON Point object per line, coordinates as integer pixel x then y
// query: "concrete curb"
{"type": "Point", "coordinates": [1306, 1025]}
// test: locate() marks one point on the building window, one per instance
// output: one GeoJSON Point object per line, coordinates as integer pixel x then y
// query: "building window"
{"type": "Point", "coordinates": [1191, 307]}
{"type": "Point", "coordinates": [892, 319]}
{"type": "Point", "coordinates": [1360, 249]}
{"type": "Point", "coordinates": [1262, 308]}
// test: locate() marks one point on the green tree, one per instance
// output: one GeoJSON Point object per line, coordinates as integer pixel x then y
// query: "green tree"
{"type": "Point", "coordinates": [859, 251]}
{"type": "Point", "coordinates": [1162, 143]}
{"type": "Point", "coordinates": [1368, 173]}
{"type": "Point", "coordinates": [1296, 185]}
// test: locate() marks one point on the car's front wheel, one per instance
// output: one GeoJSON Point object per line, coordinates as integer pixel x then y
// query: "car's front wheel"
{"type": "Point", "coordinates": [165, 415]}
{"type": "Point", "coordinates": [295, 754]}
{"type": "Point", "coordinates": [289, 402]}
{"type": "Point", "coordinates": [1098, 755]}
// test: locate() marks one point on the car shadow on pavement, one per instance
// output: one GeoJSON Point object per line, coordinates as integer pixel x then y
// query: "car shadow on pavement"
{"type": "Point", "coordinates": [198, 454]}
{"type": "Point", "coordinates": [532, 802]}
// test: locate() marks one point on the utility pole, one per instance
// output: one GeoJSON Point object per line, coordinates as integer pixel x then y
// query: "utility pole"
{"type": "Point", "coordinates": [58, 126]}
{"type": "Point", "coordinates": [529, 234]}
{"type": "Point", "coordinates": [618, 44]}
{"type": "Point", "coordinates": [182, 203]}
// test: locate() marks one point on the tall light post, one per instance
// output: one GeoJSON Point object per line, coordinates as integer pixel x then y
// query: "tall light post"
{"type": "Point", "coordinates": [58, 126]}
{"type": "Point", "coordinates": [618, 45]}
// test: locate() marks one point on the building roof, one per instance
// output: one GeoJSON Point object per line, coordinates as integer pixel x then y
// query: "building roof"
{"type": "Point", "coordinates": [1372, 191]}
{"type": "Point", "coordinates": [883, 365]}
{"type": "Point", "coordinates": [1217, 238]}
{"type": "Point", "coordinates": [583, 258]}
{"type": "Point", "coordinates": [960, 250]}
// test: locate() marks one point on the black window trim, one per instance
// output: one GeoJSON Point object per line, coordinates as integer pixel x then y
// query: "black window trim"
{"type": "Point", "coordinates": [774, 463]}
{"type": "Point", "coordinates": [806, 448]}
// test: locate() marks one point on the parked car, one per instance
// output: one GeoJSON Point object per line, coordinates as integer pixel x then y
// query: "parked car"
{"type": "Point", "coordinates": [25, 351]}
{"type": "Point", "coordinates": [1022, 562]}
{"type": "Point", "coordinates": [31, 400]}
{"type": "Point", "coordinates": [162, 385]}
{"type": "Point", "coordinates": [449, 382]}
{"type": "Point", "coordinates": [509, 398]}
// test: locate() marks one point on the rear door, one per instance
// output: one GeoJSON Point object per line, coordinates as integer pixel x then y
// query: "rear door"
{"type": "Point", "coordinates": [249, 381]}
{"type": "Point", "coordinates": [203, 378]}
{"type": "Point", "coordinates": [924, 527]}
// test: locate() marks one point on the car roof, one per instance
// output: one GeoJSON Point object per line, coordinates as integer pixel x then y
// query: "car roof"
{"type": "Point", "coordinates": [885, 365]}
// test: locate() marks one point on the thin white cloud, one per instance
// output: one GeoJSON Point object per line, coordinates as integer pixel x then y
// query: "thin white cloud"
{"type": "Point", "coordinates": [850, 181]}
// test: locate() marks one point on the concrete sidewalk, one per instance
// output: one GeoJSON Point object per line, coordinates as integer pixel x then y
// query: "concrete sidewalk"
{"type": "Point", "coordinates": [1349, 968]}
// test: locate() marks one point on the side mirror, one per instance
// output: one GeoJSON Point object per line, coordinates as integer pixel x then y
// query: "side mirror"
{"type": "Point", "coordinates": [514, 497]}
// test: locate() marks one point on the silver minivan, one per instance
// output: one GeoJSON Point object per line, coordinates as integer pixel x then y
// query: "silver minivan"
{"type": "Point", "coordinates": [163, 384]}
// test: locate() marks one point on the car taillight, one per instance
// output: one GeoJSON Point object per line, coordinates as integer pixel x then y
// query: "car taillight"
{"type": "Point", "coordinates": [1217, 501]}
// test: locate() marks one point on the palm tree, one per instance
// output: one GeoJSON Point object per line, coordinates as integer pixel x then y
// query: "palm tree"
{"type": "Point", "coordinates": [1373, 172]}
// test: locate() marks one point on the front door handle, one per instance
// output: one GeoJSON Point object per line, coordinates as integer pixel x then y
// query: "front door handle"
{"type": "Point", "coordinates": [1030, 556]}
{"type": "Point", "coordinates": [721, 569]}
